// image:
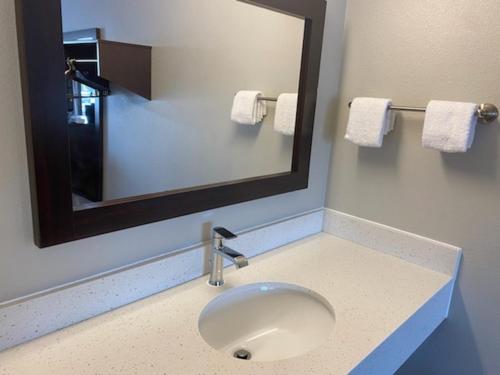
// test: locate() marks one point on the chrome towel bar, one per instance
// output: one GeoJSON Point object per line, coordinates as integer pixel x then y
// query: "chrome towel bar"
{"type": "Point", "coordinates": [486, 112]}
{"type": "Point", "coordinates": [266, 99]}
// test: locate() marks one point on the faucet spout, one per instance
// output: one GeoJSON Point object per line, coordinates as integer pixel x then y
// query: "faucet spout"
{"type": "Point", "coordinates": [239, 260]}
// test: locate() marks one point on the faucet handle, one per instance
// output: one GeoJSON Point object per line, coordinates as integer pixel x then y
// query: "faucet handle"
{"type": "Point", "coordinates": [224, 233]}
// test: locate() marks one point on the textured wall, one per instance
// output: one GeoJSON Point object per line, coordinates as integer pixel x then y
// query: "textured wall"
{"type": "Point", "coordinates": [413, 51]}
{"type": "Point", "coordinates": [184, 137]}
{"type": "Point", "coordinates": [25, 269]}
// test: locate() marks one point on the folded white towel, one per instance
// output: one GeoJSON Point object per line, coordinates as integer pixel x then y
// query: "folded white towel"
{"type": "Point", "coordinates": [450, 126]}
{"type": "Point", "coordinates": [286, 114]}
{"type": "Point", "coordinates": [248, 109]}
{"type": "Point", "coordinates": [370, 120]}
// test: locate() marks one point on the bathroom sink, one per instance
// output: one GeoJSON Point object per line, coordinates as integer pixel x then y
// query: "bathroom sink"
{"type": "Point", "coordinates": [267, 322]}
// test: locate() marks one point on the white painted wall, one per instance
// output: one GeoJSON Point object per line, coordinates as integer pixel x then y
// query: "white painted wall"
{"type": "Point", "coordinates": [204, 51]}
{"type": "Point", "coordinates": [25, 269]}
{"type": "Point", "coordinates": [414, 51]}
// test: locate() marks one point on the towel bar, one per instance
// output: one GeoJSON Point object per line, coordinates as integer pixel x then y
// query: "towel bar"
{"type": "Point", "coordinates": [486, 112]}
{"type": "Point", "coordinates": [266, 99]}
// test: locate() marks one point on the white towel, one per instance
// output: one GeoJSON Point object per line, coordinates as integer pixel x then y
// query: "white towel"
{"type": "Point", "coordinates": [450, 126]}
{"type": "Point", "coordinates": [370, 120]}
{"type": "Point", "coordinates": [248, 109]}
{"type": "Point", "coordinates": [286, 114]}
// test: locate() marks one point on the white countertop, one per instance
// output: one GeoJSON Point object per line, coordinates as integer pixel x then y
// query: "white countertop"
{"type": "Point", "coordinates": [373, 295]}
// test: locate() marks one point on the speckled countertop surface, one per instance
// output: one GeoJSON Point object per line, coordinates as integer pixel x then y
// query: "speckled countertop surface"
{"type": "Point", "coordinates": [372, 295]}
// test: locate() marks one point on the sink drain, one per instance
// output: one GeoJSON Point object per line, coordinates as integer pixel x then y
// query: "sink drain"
{"type": "Point", "coordinates": [243, 354]}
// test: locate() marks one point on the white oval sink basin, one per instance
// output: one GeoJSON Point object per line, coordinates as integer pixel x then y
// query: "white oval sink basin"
{"type": "Point", "coordinates": [267, 322]}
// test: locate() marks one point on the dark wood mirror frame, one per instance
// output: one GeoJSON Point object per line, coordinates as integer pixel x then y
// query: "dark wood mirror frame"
{"type": "Point", "coordinates": [55, 221]}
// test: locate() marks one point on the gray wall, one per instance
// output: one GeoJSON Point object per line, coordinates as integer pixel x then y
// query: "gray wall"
{"type": "Point", "coordinates": [413, 51]}
{"type": "Point", "coordinates": [204, 51]}
{"type": "Point", "coordinates": [25, 269]}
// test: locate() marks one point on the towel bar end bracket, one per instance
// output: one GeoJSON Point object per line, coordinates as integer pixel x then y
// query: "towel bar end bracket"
{"type": "Point", "coordinates": [487, 112]}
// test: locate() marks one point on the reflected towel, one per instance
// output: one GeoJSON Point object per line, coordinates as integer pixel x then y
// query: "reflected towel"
{"type": "Point", "coordinates": [286, 114]}
{"type": "Point", "coordinates": [248, 109]}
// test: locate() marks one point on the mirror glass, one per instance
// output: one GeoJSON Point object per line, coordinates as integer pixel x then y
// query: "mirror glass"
{"type": "Point", "coordinates": [165, 95]}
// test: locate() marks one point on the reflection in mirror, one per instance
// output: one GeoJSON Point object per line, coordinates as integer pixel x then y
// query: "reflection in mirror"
{"type": "Point", "coordinates": [163, 94]}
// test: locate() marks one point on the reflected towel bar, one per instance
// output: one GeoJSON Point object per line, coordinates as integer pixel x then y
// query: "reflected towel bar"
{"type": "Point", "coordinates": [486, 112]}
{"type": "Point", "coordinates": [266, 99]}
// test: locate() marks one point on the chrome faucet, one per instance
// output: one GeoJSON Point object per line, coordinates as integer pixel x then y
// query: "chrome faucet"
{"type": "Point", "coordinates": [220, 251]}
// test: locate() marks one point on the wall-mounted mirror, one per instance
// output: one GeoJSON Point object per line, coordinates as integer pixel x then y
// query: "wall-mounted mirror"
{"type": "Point", "coordinates": [139, 111]}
